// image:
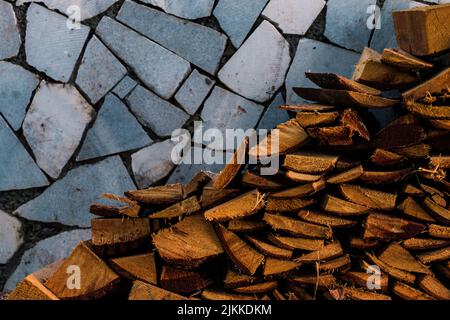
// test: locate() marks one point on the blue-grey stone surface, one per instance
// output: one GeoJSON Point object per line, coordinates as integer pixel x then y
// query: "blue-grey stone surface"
{"type": "Point", "coordinates": [237, 19]}
{"type": "Point", "coordinates": [196, 43]}
{"type": "Point", "coordinates": [17, 168]}
{"type": "Point", "coordinates": [124, 87]}
{"type": "Point", "coordinates": [159, 115]}
{"type": "Point", "coordinates": [351, 32]}
{"type": "Point", "coordinates": [11, 236]}
{"type": "Point", "coordinates": [161, 70]}
{"type": "Point", "coordinates": [273, 116]}
{"type": "Point", "coordinates": [99, 71]}
{"type": "Point", "coordinates": [9, 32]}
{"type": "Point", "coordinates": [16, 87]}
{"type": "Point", "coordinates": [46, 252]}
{"type": "Point", "coordinates": [315, 56]}
{"type": "Point", "coordinates": [67, 200]}
{"type": "Point", "coordinates": [50, 46]}
{"type": "Point", "coordinates": [194, 91]}
{"type": "Point", "coordinates": [115, 130]}
{"type": "Point", "coordinates": [187, 9]}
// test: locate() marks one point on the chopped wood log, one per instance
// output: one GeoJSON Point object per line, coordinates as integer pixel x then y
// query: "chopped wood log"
{"type": "Point", "coordinates": [363, 278]}
{"type": "Point", "coordinates": [297, 227]}
{"type": "Point", "coordinates": [402, 132]}
{"type": "Point", "coordinates": [96, 278]}
{"type": "Point", "coordinates": [190, 242]}
{"type": "Point", "coordinates": [334, 81]}
{"type": "Point", "coordinates": [146, 291]}
{"type": "Point", "coordinates": [209, 294]}
{"type": "Point", "coordinates": [302, 177]}
{"type": "Point", "coordinates": [310, 163]}
{"type": "Point", "coordinates": [333, 136]}
{"type": "Point", "coordinates": [421, 30]}
{"type": "Point", "coordinates": [130, 209]}
{"type": "Point", "coordinates": [352, 120]}
{"type": "Point", "coordinates": [392, 271]}
{"type": "Point", "coordinates": [403, 60]}
{"type": "Point", "coordinates": [384, 177]}
{"type": "Point", "coordinates": [198, 182]}
{"type": "Point", "coordinates": [328, 252]}
{"type": "Point", "coordinates": [322, 281]}
{"type": "Point", "coordinates": [428, 111]}
{"type": "Point", "coordinates": [417, 151]}
{"type": "Point", "coordinates": [373, 199]}
{"type": "Point", "coordinates": [258, 288]}
{"type": "Point", "coordinates": [287, 205]}
{"type": "Point", "coordinates": [433, 287]}
{"type": "Point", "coordinates": [438, 212]}
{"type": "Point", "coordinates": [438, 231]}
{"type": "Point", "coordinates": [312, 119]}
{"type": "Point", "coordinates": [384, 158]}
{"type": "Point", "coordinates": [245, 225]}
{"type": "Point", "coordinates": [364, 244]}
{"type": "Point", "coordinates": [240, 207]}
{"type": "Point", "coordinates": [359, 294]}
{"type": "Point", "coordinates": [31, 288]}
{"type": "Point", "coordinates": [211, 196]}
{"type": "Point", "coordinates": [234, 280]}
{"type": "Point", "coordinates": [300, 191]}
{"type": "Point", "coordinates": [259, 182]}
{"type": "Point", "coordinates": [139, 267]}
{"type": "Point", "coordinates": [412, 190]}
{"type": "Point", "coordinates": [434, 256]}
{"type": "Point", "coordinates": [342, 207]}
{"type": "Point", "coordinates": [270, 250]}
{"type": "Point", "coordinates": [412, 209]}
{"type": "Point", "coordinates": [409, 293]}
{"type": "Point", "coordinates": [274, 266]}
{"type": "Point", "coordinates": [292, 243]}
{"type": "Point", "coordinates": [325, 219]}
{"type": "Point", "coordinates": [346, 98]}
{"type": "Point", "coordinates": [315, 107]}
{"type": "Point", "coordinates": [381, 226]}
{"type": "Point", "coordinates": [243, 255]}
{"type": "Point", "coordinates": [182, 281]}
{"type": "Point", "coordinates": [398, 257]}
{"type": "Point", "coordinates": [185, 207]}
{"type": "Point", "coordinates": [424, 244]}
{"type": "Point", "coordinates": [168, 194]}
{"type": "Point", "coordinates": [440, 161]}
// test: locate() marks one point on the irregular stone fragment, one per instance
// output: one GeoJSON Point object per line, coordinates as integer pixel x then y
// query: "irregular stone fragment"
{"type": "Point", "coordinates": [17, 169]}
{"type": "Point", "coordinates": [46, 252]}
{"type": "Point", "coordinates": [273, 116]}
{"type": "Point", "coordinates": [153, 163]}
{"type": "Point", "coordinates": [186, 9]}
{"type": "Point", "coordinates": [161, 70]}
{"type": "Point", "coordinates": [99, 71]}
{"type": "Point", "coordinates": [10, 236]}
{"type": "Point", "coordinates": [16, 87]}
{"type": "Point", "coordinates": [293, 16]}
{"type": "Point", "coordinates": [115, 130]}
{"type": "Point", "coordinates": [198, 44]}
{"type": "Point", "coordinates": [124, 87]}
{"type": "Point", "coordinates": [85, 8]}
{"type": "Point", "coordinates": [54, 125]}
{"type": "Point", "coordinates": [237, 19]}
{"type": "Point", "coordinates": [257, 70]}
{"type": "Point", "coordinates": [9, 31]}
{"type": "Point", "coordinates": [194, 91]}
{"type": "Point", "coordinates": [67, 201]}
{"type": "Point", "coordinates": [350, 32]}
{"type": "Point", "coordinates": [155, 113]}
{"type": "Point", "coordinates": [50, 46]}
{"type": "Point", "coordinates": [316, 56]}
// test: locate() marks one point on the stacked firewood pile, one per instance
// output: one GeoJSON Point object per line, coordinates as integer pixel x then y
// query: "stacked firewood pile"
{"type": "Point", "coordinates": [353, 213]}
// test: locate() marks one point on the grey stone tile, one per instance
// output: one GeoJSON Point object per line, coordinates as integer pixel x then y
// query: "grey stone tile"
{"type": "Point", "coordinates": [257, 70]}
{"type": "Point", "coordinates": [186, 9]}
{"type": "Point", "coordinates": [54, 125]}
{"type": "Point", "coordinates": [153, 163]}
{"type": "Point", "coordinates": [50, 46]}
{"type": "Point", "coordinates": [237, 19]}
{"type": "Point", "coordinates": [115, 130]}
{"type": "Point", "coordinates": [99, 71]}
{"type": "Point", "coordinates": [160, 116]}
{"type": "Point", "coordinates": [46, 252]}
{"type": "Point", "coordinates": [9, 31]}
{"type": "Point", "coordinates": [10, 235]}
{"type": "Point", "coordinates": [198, 44]}
{"type": "Point", "coordinates": [67, 200]}
{"type": "Point", "coordinates": [385, 37]}
{"type": "Point", "coordinates": [161, 70]}
{"type": "Point", "coordinates": [16, 88]}
{"type": "Point", "coordinates": [17, 170]}
{"type": "Point", "coordinates": [194, 91]}
{"type": "Point", "coordinates": [124, 87]}
{"type": "Point", "coordinates": [293, 16]}
{"type": "Point", "coordinates": [273, 116]}
{"type": "Point", "coordinates": [352, 31]}
{"type": "Point", "coordinates": [315, 56]}
{"type": "Point", "coordinates": [87, 8]}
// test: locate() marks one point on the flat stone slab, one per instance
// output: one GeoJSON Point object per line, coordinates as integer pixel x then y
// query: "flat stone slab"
{"type": "Point", "coordinates": [352, 31]}
{"type": "Point", "coordinates": [293, 16]}
{"type": "Point", "coordinates": [99, 71]}
{"type": "Point", "coordinates": [159, 115]}
{"type": "Point", "coordinates": [273, 116]}
{"type": "Point", "coordinates": [9, 31]}
{"type": "Point", "coordinates": [125, 86]}
{"type": "Point", "coordinates": [186, 9]}
{"type": "Point", "coordinates": [87, 8]}
{"type": "Point", "coordinates": [237, 19]}
{"type": "Point", "coordinates": [315, 56]}
{"type": "Point", "coordinates": [16, 88]}
{"type": "Point", "coordinates": [194, 91]}
{"type": "Point", "coordinates": [198, 44]}
{"type": "Point", "coordinates": [226, 110]}
{"type": "Point", "coordinates": [115, 130]}
{"type": "Point", "coordinates": [385, 37]}
{"type": "Point", "coordinates": [46, 252]}
{"type": "Point", "coordinates": [54, 125]}
{"type": "Point", "coordinates": [67, 200]}
{"type": "Point", "coordinates": [10, 236]}
{"type": "Point", "coordinates": [17, 170]}
{"type": "Point", "coordinates": [160, 69]}
{"type": "Point", "coordinates": [50, 46]}
{"type": "Point", "coordinates": [257, 70]}
{"type": "Point", "coordinates": [153, 163]}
